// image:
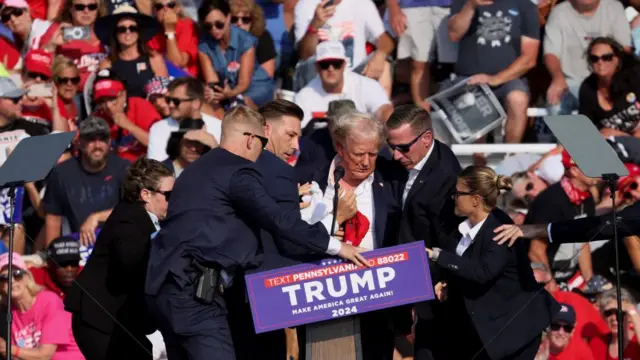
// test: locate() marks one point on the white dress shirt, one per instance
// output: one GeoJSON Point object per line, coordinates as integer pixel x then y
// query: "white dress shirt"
{"type": "Point", "coordinates": [156, 223]}
{"type": "Point", "coordinates": [468, 234]}
{"type": "Point", "coordinates": [365, 205]}
{"type": "Point", "coordinates": [413, 174]}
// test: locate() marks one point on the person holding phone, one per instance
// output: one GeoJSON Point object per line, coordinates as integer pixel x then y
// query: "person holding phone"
{"type": "Point", "coordinates": [227, 56]}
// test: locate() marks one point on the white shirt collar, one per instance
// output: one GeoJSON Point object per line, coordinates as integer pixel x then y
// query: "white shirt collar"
{"type": "Point", "coordinates": [424, 160]}
{"type": "Point", "coordinates": [466, 230]}
{"type": "Point", "coordinates": [154, 220]}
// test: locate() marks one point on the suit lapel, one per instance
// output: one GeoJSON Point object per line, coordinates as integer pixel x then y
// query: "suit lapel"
{"type": "Point", "coordinates": [380, 208]}
{"type": "Point", "coordinates": [488, 225]}
{"type": "Point", "coordinates": [431, 164]}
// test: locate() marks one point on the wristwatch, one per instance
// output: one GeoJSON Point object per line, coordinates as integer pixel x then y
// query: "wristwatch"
{"type": "Point", "coordinates": [436, 254]}
{"type": "Point", "coordinates": [170, 35]}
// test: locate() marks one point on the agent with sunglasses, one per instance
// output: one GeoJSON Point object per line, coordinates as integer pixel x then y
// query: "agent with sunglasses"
{"type": "Point", "coordinates": [107, 300]}
{"type": "Point", "coordinates": [562, 343]}
{"type": "Point", "coordinates": [492, 298]}
{"type": "Point", "coordinates": [609, 95]}
{"type": "Point", "coordinates": [41, 328]}
{"type": "Point", "coordinates": [179, 40]}
{"type": "Point", "coordinates": [227, 56]}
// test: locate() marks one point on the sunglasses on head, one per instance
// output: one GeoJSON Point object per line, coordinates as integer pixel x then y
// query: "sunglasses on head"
{"type": "Point", "coordinates": [403, 148]}
{"type": "Point", "coordinates": [68, 80]}
{"type": "Point", "coordinates": [6, 16]}
{"type": "Point", "coordinates": [566, 327]}
{"type": "Point", "coordinates": [612, 312]}
{"type": "Point", "coordinates": [124, 29]}
{"type": "Point", "coordinates": [217, 24]}
{"type": "Point", "coordinates": [170, 5]}
{"type": "Point", "coordinates": [35, 75]}
{"type": "Point", "coordinates": [632, 186]}
{"type": "Point", "coordinates": [243, 19]}
{"type": "Point", "coordinates": [18, 274]}
{"type": "Point", "coordinates": [176, 102]}
{"type": "Point", "coordinates": [262, 139]}
{"type": "Point", "coordinates": [82, 7]}
{"type": "Point", "coordinates": [326, 64]}
{"type": "Point", "coordinates": [606, 58]}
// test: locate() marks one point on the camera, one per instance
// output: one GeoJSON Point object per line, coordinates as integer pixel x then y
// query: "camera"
{"type": "Point", "coordinates": [76, 33]}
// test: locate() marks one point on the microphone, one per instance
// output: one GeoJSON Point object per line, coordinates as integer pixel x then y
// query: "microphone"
{"type": "Point", "coordinates": [338, 174]}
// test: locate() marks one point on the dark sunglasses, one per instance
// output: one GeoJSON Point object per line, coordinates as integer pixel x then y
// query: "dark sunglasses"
{"type": "Point", "coordinates": [92, 138]}
{"type": "Point", "coordinates": [15, 100]}
{"type": "Point", "coordinates": [176, 102]}
{"type": "Point", "coordinates": [68, 80]}
{"type": "Point", "coordinates": [72, 263]}
{"type": "Point", "coordinates": [170, 5]}
{"type": "Point", "coordinates": [243, 19]}
{"type": "Point", "coordinates": [611, 312]}
{"type": "Point", "coordinates": [124, 29]}
{"type": "Point", "coordinates": [326, 64]}
{"type": "Point", "coordinates": [262, 139]}
{"type": "Point", "coordinates": [18, 274]}
{"type": "Point", "coordinates": [11, 12]}
{"type": "Point", "coordinates": [457, 194]}
{"type": "Point", "coordinates": [167, 194]}
{"type": "Point", "coordinates": [606, 58]}
{"type": "Point", "coordinates": [632, 186]}
{"type": "Point", "coordinates": [567, 327]}
{"type": "Point", "coordinates": [36, 75]}
{"type": "Point", "coordinates": [403, 148]}
{"type": "Point", "coordinates": [217, 24]}
{"type": "Point", "coordinates": [81, 7]}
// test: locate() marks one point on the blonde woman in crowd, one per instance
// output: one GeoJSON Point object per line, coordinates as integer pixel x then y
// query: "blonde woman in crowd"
{"type": "Point", "coordinates": [491, 297]}
{"type": "Point", "coordinates": [248, 16]}
{"type": "Point", "coordinates": [41, 328]}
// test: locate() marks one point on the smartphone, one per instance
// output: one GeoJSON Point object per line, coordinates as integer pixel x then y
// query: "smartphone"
{"type": "Point", "coordinates": [329, 3]}
{"type": "Point", "coordinates": [41, 90]}
{"type": "Point", "coordinates": [214, 84]}
{"type": "Point", "coordinates": [76, 33]}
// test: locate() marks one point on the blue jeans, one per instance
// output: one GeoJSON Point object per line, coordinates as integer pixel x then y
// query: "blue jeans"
{"type": "Point", "coordinates": [568, 102]}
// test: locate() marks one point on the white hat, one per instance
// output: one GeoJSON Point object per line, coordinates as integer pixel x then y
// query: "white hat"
{"type": "Point", "coordinates": [330, 50]}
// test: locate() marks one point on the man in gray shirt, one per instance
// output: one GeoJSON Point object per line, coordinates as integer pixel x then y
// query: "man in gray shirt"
{"type": "Point", "coordinates": [570, 28]}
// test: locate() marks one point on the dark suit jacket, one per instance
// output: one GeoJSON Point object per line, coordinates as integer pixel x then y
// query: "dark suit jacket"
{"type": "Point", "coordinates": [428, 212]}
{"type": "Point", "coordinates": [218, 207]}
{"type": "Point", "coordinates": [500, 295]}
{"type": "Point", "coordinates": [597, 227]}
{"type": "Point", "coordinates": [113, 278]}
{"type": "Point", "coordinates": [388, 210]}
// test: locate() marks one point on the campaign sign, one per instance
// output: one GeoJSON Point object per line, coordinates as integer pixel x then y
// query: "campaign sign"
{"type": "Point", "coordinates": [85, 251]}
{"type": "Point", "coordinates": [5, 205]}
{"type": "Point", "coordinates": [334, 288]}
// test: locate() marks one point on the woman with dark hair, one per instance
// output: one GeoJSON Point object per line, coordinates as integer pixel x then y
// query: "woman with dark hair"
{"type": "Point", "coordinates": [228, 61]}
{"type": "Point", "coordinates": [182, 149]}
{"type": "Point", "coordinates": [609, 96]}
{"type": "Point", "coordinates": [107, 300]}
{"type": "Point", "coordinates": [492, 299]}
{"type": "Point", "coordinates": [126, 31]}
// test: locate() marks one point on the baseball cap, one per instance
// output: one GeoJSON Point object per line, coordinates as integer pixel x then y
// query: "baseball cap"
{"type": "Point", "coordinates": [330, 50]}
{"type": "Point", "coordinates": [157, 85]}
{"type": "Point", "coordinates": [38, 61]}
{"type": "Point", "coordinates": [64, 249]}
{"type": "Point", "coordinates": [17, 261]}
{"type": "Point", "coordinates": [20, 4]}
{"type": "Point", "coordinates": [93, 126]}
{"type": "Point", "coordinates": [566, 314]}
{"type": "Point", "coordinates": [9, 89]}
{"type": "Point", "coordinates": [106, 88]}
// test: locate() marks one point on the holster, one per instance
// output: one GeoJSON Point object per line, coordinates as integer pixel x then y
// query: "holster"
{"type": "Point", "coordinates": [209, 283]}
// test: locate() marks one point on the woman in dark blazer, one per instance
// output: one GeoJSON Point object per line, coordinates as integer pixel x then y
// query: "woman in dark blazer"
{"type": "Point", "coordinates": [497, 309]}
{"type": "Point", "coordinates": [107, 300]}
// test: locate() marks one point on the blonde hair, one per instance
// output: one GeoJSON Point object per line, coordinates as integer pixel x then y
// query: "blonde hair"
{"type": "Point", "coordinates": [257, 15]}
{"type": "Point", "coordinates": [357, 123]}
{"type": "Point", "coordinates": [30, 284]}
{"type": "Point", "coordinates": [60, 64]}
{"type": "Point", "coordinates": [484, 182]}
{"type": "Point", "coordinates": [243, 117]}
{"type": "Point", "coordinates": [611, 295]}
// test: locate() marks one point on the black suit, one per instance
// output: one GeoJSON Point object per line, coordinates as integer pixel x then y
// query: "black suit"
{"type": "Point", "coordinates": [428, 214]}
{"type": "Point", "coordinates": [110, 289]}
{"type": "Point", "coordinates": [215, 216]}
{"type": "Point", "coordinates": [491, 290]}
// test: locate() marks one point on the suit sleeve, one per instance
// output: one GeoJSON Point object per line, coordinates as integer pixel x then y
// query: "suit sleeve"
{"type": "Point", "coordinates": [248, 195]}
{"type": "Point", "coordinates": [595, 227]}
{"type": "Point", "coordinates": [482, 270]}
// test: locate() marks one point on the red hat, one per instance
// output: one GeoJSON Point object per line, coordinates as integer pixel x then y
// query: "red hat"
{"type": "Point", "coordinates": [106, 88]}
{"type": "Point", "coordinates": [38, 61]}
{"type": "Point", "coordinates": [625, 181]}
{"type": "Point", "coordinates": [567, 160]}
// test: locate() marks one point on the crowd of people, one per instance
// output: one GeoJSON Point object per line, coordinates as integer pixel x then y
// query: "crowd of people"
{"type": "Point", "coordinates": [165, 90]}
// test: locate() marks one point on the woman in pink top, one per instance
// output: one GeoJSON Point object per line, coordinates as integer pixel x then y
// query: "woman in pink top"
{"type": "Point", "coordinates": [41, 328]}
